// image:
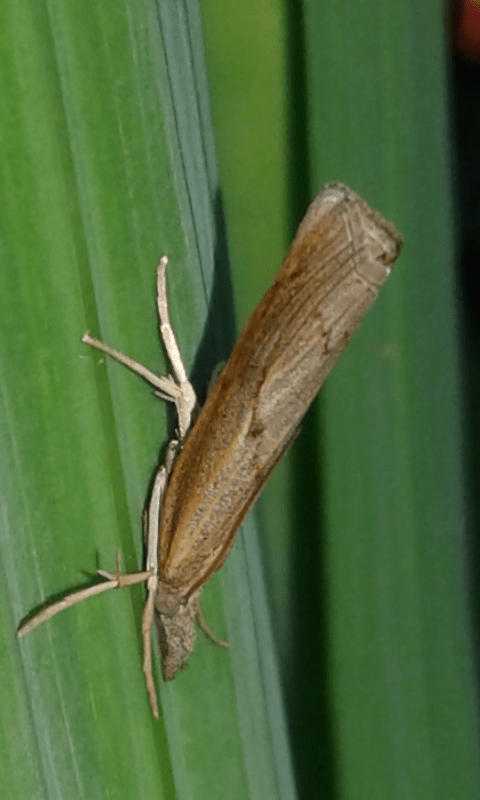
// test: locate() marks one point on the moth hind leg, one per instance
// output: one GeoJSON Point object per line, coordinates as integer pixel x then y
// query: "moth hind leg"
{"type": "Point", "coordinates": [177, 390]}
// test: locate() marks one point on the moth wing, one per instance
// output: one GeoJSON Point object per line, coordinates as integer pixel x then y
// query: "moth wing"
{"type": "Point", "coordinates": [338, 261]}
{"type": "Point", "coordinates": [205, 534]}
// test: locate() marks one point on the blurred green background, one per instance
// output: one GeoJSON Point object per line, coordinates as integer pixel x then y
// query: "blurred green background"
{"type": "Point", "coordinates": [351, 671]}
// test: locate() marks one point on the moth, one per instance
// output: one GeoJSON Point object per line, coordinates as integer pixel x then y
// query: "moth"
{"type": "Point", "coordinates": [216, 466]}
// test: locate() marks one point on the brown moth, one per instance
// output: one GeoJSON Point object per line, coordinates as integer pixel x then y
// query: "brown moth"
{"type": "Point", "coordinates": [214, 471]}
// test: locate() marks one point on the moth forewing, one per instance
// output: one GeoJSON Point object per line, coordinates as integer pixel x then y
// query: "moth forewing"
{"type": "Point", "coordinates": [340, 257]}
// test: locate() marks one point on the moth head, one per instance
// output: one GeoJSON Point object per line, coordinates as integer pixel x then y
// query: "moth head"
{"type": "Point", "coordinates": [167, 601]}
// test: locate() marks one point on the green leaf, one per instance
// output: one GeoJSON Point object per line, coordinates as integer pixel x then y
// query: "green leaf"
{"type": "Point", "coordinates": [106, 162]}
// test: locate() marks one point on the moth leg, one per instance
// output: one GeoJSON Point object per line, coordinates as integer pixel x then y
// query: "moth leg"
{"type": "Point", "coordinates": [112, 581]}
{"type": "Point", "coordinates": [177, 390]}
{"type": "Point", "coordinates": [201, 622]}
{"type": "Point", "coordinates": [188, 399]}
{"type": "Point", "coordinates": [171, 453]}
{"type": "Point", "coordinates": [151, 565]}
{"type": "Point", "coordinates": [165, 387]}
{"type": "Point", "coordinates": [123, 578]}
{"type": "Point", "coordinates": [147, 623]}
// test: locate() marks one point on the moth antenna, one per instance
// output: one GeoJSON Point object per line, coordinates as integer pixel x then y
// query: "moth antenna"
{"type": "Point", "coordinates": [202, 624]}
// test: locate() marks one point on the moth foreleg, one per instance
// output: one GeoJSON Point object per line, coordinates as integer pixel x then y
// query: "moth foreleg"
{"type": "Point", "coordinates": [151, 565]}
